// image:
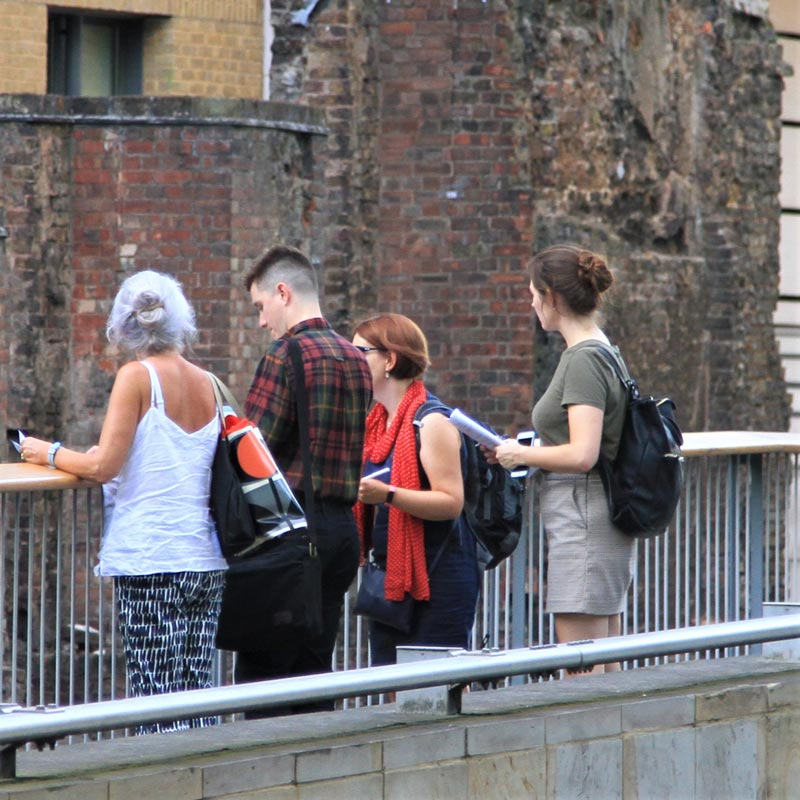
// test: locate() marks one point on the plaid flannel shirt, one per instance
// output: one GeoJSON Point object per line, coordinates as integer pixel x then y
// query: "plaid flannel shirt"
{"type": "Point", "coordinates": [339, 389]}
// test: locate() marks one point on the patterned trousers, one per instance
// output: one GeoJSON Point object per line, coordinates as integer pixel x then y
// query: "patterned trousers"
{"type": "Point", "coordinates": [168, 623]}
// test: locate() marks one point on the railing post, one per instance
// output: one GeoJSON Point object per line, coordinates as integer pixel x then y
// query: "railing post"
{"type": "Point", "coordinates": [731, 553]}
{"type": "Point", "coordinates": [445, 699]}
{"type": "Point", "coordinates": [519, 574]}
{"type": "Point", "coordinates": [520, 569]}
{"type": "Point", "coordinates": [8, 762]}
{"type": "Point", "coordinates": [755, 527]}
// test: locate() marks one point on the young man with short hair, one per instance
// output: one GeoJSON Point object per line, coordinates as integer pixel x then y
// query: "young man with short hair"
{"type": "Point", "coordinates": [284, 289]}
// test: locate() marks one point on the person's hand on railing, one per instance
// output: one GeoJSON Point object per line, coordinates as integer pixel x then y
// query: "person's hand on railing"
{"type": "Point", "coordinates": [35, 451]}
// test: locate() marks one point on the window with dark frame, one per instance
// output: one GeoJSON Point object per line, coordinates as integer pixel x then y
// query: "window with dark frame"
{"type": "Point", "coordinates": [94, 55]}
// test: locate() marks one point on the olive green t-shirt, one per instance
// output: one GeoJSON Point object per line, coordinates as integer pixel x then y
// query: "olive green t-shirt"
{"type": "Point", "coordinates": [583, 377]}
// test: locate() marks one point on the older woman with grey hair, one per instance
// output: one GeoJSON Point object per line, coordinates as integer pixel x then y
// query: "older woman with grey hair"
{"type": "Point", "coordinates": [154, 457]}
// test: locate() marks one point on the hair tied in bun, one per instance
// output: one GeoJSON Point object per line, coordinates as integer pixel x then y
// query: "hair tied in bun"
{"type": "Point", "coordinates": [589, 261]}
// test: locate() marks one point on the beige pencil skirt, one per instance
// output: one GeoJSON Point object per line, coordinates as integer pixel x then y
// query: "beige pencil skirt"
{"type": "Point", "coordinates": [589, 561]}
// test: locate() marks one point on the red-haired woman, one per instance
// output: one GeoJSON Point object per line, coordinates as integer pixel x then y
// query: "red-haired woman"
{"type": "Point", "coordinates": [414, 515]}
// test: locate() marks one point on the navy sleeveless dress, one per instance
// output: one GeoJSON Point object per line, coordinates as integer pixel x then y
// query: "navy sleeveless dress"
{"type": "Point", "coordinates": [446, 619]}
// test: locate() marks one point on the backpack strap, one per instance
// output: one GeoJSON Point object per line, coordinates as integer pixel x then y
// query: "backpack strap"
{"type": "Point", "coordinates": [301, 399]}
{"type": "Point", "coordinates": [620, 370]}
{"type": "Point", "coordinates": [432, 405]}
{"type": "Point", "coordinates": [469, 454]}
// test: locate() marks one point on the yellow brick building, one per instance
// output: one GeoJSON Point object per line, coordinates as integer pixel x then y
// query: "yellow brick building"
{"type": "Point", "coordinates": [204, 48]}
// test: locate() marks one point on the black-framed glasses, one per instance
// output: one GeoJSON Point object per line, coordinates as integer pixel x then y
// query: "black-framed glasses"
{"type": "Point", "coordinates": [366, 348]}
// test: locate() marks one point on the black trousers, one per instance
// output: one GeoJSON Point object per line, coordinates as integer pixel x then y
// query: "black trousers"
{"type": "Point", "coordinates": [338, 547]}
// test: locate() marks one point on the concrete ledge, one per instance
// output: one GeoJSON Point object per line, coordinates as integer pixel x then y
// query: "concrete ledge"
{"type": "Point", "coordinates": [141, 110]}
{"type": "Point", "coordinates": [613, 725]}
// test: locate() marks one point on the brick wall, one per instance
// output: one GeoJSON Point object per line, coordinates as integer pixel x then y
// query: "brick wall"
{"type": "Point", "coordinates": [164, 184]}
{"type": "Point", "coordinates": [428, 159]}
{"type": "Point", "coordinates": [211, 48]}
{"type": "Point", "coordinates": [461, 136]}
{"type": "Point", "coordinates": [23, 47]}
{"type": "Point", "coordinates": [465, 134]}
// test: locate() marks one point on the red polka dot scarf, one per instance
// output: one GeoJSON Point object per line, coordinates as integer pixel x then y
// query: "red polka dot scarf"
{"type": "Point", "coordinates": [406, 570]}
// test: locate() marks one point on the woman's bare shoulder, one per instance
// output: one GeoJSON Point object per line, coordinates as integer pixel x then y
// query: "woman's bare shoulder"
{"type": "Point", "coordinates": [436, 427]}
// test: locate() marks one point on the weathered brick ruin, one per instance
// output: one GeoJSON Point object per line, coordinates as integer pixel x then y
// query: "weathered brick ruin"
{"type": "Point", "coordinates": [460, 135]}
{"type": "Point", "coordinates": [94, 190]}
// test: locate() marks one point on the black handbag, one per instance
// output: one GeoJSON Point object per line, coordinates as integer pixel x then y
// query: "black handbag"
{"type": "Point", "coordinates": [250, 500]}
{"type": "Point", "coordinates": [269, 597]}
{"type": "Point", "coordinates": [275, 594]}
{"type": "Point", "coordinates": [371, 600]}
{"type": "Point", "coordinates": [236, 530]}
{"type": "Point", "coordinates": [371, 596]}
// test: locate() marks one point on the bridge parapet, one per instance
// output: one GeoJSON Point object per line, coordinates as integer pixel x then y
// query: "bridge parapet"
{"type": "Point", "coordinates": [690, 730]}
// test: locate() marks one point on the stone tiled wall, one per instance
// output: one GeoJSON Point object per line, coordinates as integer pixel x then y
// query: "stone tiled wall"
{"type": "Point", "coordinates": [207, 48]}
{"type": "Point", "coordinates": [689, 731]}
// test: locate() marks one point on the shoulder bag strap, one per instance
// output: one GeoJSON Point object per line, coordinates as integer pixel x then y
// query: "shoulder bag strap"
{"type": "Point", "coordinates": [303, 425]}
{"type": "Point", "coordinates": [222, 395]}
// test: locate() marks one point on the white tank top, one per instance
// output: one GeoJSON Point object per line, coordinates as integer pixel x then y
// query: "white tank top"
{"type": "Point", "coordinates": [157, 517]}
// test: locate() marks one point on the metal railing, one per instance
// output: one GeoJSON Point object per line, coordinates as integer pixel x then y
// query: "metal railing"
{"type": "Point", "coordinates": [732, 547]}
{"type": "Point", "coordinates": [57, 645]}
{"type": "Point", "coordinates": [44, 726]}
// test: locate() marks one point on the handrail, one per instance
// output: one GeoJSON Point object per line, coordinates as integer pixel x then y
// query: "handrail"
{"type": "Point", "coordinates": [724, 443]}
{"type": "Point", "coordinates": [44, 725]}
{"type": "Point", "coordinates": [739, 516]}
{"type": "Point", "coordinates": [19, 476]}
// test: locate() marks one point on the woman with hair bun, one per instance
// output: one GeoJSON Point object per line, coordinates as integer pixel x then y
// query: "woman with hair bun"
{"type": "Point", "coordinates": [154, 459]}
{"type": "Point", "coordinates": [580, 415]}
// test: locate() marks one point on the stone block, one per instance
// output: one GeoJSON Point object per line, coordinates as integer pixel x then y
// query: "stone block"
{"type": "Point", "coordinates": [336, 762]}
{"type": "Point", "coordinates": [440, 782]}
{"type": "Point", "coordinates": [169, 784]}
{"type": "Point", "coordinates": [732, 702]}
{"type": "Point", "coordinates": [95, 790]}
{"type": "Point", "coordinates": [729, 760]}
{"type": "Point", "coordinates": [782, 754]}
{"type": "Point", "coordinates": [783, 693]}
{"type": "Point", "coordinates": [589, 723]}
{"type": "Point", "coordinates": [276, 793]}
{"type": "Point", "coordinates": [424, 748]}
{"type": "Point", "coordinates": [587, 769]}
{"type": "Point", "coordinates": [247, 774]}
{"type": "Point", "coordinates": [520, 775]}
{"type": "Point", "coordinates": [502, 737]}
{"type": "Point", "coordinates": [755, 8]}
{"type": "Point", "coordinates": [366, 786]}
{"type": "Point", "coordinates": [662, 712]}
{"type": "Point", "coordinates": [660, 765]}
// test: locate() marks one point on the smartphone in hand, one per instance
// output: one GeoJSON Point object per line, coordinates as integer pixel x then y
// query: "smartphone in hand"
{"type": "Point", "coordinates": [15, 437]}
{"type": "Point", "coordinates": [526, 438]}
